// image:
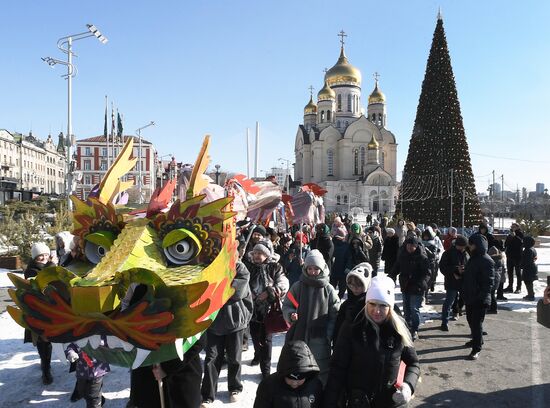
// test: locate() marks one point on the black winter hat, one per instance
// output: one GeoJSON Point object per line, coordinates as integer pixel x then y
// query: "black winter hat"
{"type": "Point", "coordinates": [412, 240]}
{"type": "Point", "coordinates": [461, 240]}
{"type": "Point", "coordinates": [260, 229]}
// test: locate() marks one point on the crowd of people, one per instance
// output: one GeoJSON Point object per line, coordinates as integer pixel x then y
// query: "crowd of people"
{"type": "Point", "coordinates": [347, 343]}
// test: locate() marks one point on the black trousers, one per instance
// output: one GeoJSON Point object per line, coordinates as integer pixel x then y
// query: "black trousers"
{"type": "Point", "coordinates": [514, 264]}
{"type": "Point", "coordinates": [216, 346]}
{"type": "Point", "coordinates": [262, 346]}
{"type": "Point", "coordinates": [475, 314]}
{"type": "Point", "coordinates": [90, 390]}
{"type": "Point", "coordinates": [45, 352]}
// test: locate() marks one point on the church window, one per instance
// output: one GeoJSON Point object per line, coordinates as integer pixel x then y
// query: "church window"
{"type": "Point", "coordinates": [355, 161]}
{"type": "Point", "coordinates": [362, 159]}
{"type": "Point", "coordinates": [373, 118]}
{"type": "Point", "coordinates": [339, 103]}
{"type": "Point", "coordinates": [337, 123]}
{"type": "Point", "coordinates": [322, 116]}
{"type": "Point", "coordinates": [328, 116]}
{"type": "Point", "coordinates": [380, 119]}
{"type": "Point", "coordinates": [349, 102]}
{"type": "Point", "coordinates": [330, 162]}
{"type": "Point", "coordinates": [338, 200]}
{"type": "Point", "coordinates": [345, 199]}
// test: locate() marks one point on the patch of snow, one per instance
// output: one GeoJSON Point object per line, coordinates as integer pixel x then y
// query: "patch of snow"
{"type": "Point", "coordinates": [20, 376]}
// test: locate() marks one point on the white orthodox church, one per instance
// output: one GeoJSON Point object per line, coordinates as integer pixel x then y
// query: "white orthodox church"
{"type": "Point", "coordinates": [346, 151]}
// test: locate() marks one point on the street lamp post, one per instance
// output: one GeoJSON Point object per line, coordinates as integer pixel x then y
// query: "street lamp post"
{"type": "Point", "coordinates": [65, 44]}
{"type": "Point", "coordinates": [140, 182]}
{"type": "Point", "coordinates": [217, 166]}
{"type": "Point", "coordinates": [287, 174]}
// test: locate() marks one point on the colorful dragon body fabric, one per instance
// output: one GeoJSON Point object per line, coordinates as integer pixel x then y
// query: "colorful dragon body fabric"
{"type": "Point", "coordinates": [182, 259]}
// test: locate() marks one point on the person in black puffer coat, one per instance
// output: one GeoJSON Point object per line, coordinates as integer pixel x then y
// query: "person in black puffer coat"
{"type": "Point", "coordinates": [323, 243]}
{"type": "Point", "coordinates": [339, 269]}
{"type": "Point", "coordinates": [452, 267]}
{"type": "Point", "coordinates": [477, 283]}
{"type": "Point", "coordinates": [296, 383]}
{"type": "Point", "coordinates": [491, 240]}
{"type": "Point", "coordinates": [413, 269]}
{"type": "Point", "coordinates": [364, 366]}
{"type": "Point", "coordinates": [391, 249]}
{"type": "Point", "coordinates": [514, 248]}
{"type": "Point", "coordinates": [41, 259]}
{"type": "Point", "coordinates": [528, 267]}
{"type": "Point", "coordinates": [375, 251]}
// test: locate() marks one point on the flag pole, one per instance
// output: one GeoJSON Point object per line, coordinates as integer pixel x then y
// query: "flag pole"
{"type": "Point", "coordinates": [106, 134]}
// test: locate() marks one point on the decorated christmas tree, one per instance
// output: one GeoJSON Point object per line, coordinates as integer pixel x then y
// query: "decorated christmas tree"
{"type": "Point", "coordinates": [438, 163]}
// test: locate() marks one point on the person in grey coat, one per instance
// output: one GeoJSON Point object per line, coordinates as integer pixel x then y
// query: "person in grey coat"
{"type": "Point", "coordinates": [311, 306]}
{"type": "Point", "coordinates": [225, 335]}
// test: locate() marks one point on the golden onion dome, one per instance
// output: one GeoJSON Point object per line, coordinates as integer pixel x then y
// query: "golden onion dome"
{"type": "Point", "coordinates": [311, 107]}
{"type": "Point", "coordinates": [326, 93]}
{"type": "Point", "coordinates": [343, 72]}
{"type": "Point", "coordinates": [377, 96]}
{"type": "Point", "coordinates": [373, 144]}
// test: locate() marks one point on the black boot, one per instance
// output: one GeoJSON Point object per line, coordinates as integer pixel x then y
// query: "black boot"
{"type": "Point", "coordinates": [45, 353]}
{"type": "Point", "coordinates": [47, 378]}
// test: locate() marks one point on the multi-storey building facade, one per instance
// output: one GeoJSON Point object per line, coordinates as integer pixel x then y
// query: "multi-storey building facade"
{"type": "Point", "coordinates": [94, 156]}
{"type": "Point", "coordinates": [28, 164]}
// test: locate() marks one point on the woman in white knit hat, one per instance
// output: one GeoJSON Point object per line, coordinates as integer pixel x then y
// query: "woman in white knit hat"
{"type": "Point", "coordinates": [365, 364]}
{"type": "Point", "coordinates": [41, 258]}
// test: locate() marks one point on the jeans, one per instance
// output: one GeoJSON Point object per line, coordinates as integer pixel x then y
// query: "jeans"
{"type": "Point", "coordinates": [411, 308]}
{"type": "Point", "coordinates": [475, 314]}
{"type": "Point", "coordinates": [449, 300]}
{"type": "Point", "coordinates": [231, 344]}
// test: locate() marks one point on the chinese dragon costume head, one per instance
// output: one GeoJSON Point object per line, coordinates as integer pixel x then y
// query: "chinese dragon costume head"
{"type": "Point", "coordinates": [183, 258]}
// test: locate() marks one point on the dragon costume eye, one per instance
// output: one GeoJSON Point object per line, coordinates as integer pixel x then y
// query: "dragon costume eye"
{"type": "Point", "coordinates": [181, 246]}
{"type": "Point", "coordinates": [97, 245]}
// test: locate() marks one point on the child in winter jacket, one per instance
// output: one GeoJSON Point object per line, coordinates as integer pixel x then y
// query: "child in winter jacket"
{"type": "Point", "coordinates": [528, 266]}
{"type": "Point", "coordinates": [296, 383]}
{"type": "Point", "coordinates": [500, 276]}
{"type": "Point", "coordinates": [311, 306]}
{"type": "Point", "coordinates": [358, 280]}
{"type": "Point", "coordinates": [89, 375]}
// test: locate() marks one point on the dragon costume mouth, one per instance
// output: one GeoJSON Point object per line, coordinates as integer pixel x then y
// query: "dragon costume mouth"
{"type": "Point", "coordinates": [120, 352]}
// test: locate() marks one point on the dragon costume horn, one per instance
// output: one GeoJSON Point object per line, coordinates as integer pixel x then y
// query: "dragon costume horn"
{"type": "Point", "coordinates": [198, 181]}
{"type": "Point", "coordinates": [111, 185]}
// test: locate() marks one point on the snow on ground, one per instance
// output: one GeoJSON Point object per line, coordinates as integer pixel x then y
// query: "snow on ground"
{"type": "Point", "coordinates": [20, 376]}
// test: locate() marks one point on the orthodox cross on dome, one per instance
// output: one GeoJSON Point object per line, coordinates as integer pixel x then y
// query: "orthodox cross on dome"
{"type": "Point", "coordinates": [311, 88]}
{"type": "Point", "coordinates": [342, 36]}
{"type": "Point", "coordinates": [376, 75]}
{"type": "Point", "coordinates": [325, 70]}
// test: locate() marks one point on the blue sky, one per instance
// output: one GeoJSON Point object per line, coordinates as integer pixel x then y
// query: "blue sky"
{"type": "Point", "coordinates": [214, 66]}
